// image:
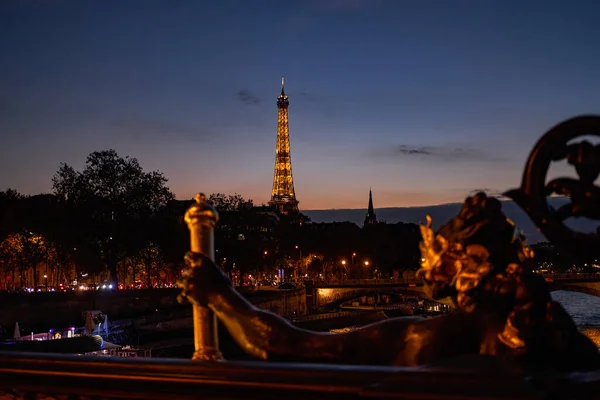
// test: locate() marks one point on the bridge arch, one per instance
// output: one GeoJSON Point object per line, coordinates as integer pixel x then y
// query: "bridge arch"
{"type": "Point", "coordinates": [326, 296]}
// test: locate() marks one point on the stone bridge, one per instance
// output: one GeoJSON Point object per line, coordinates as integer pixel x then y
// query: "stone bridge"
{"type": "Point", "coordinates": [583, 283]}
{"type": "Point", "coordinates": [339, 291]}
{"type": "Point", "coordinates": [324, 294]}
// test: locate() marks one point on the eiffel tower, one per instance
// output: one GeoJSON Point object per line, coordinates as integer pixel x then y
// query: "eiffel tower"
{"type": "Point", "coordinates": [283, 196]}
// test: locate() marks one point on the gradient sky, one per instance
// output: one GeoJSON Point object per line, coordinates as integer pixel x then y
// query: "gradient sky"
{"type": "Point", "coordinates": [421, 100]}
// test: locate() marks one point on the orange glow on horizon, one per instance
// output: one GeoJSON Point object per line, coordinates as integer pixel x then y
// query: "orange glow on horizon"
{"type": "Point", "coordinates": [360, 201]}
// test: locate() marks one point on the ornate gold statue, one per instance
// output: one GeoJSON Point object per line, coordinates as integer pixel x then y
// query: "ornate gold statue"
{"type": "Point", "coordinates": [478, 259]}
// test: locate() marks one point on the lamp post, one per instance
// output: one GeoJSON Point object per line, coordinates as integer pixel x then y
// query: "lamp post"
{"type": "Point", "coordinates": [297, 264]}
{"type": "Point", "coordinates": [344, 266]}
{"type": "Point", "coordinates": [201, 219]}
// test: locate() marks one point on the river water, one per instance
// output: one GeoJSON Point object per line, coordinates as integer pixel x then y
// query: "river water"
{"type": "Point", "coordinates": [584, 309]}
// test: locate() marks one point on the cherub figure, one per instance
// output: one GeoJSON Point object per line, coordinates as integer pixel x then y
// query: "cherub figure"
{"type": "Point", "coordinates": [477, 259]}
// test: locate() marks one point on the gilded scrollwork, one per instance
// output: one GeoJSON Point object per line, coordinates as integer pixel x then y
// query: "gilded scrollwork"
{"type": "Point", "coordinates": [583, 193]}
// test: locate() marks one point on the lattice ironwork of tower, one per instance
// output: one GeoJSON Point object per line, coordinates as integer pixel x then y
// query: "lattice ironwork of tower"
{"type": "Point", "coordinates": [283, 196]}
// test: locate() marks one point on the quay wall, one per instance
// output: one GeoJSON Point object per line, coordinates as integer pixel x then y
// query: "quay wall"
{"type": "Point", "coordinates": [41, 311]}
{"type": "Point", "coordinates": [285, 303]}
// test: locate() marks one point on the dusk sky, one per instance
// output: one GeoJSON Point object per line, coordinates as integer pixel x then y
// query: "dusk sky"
{"type": "Point", "coordinates": [424, 101]}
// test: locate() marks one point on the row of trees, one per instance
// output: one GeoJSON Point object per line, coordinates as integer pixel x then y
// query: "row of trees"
{"type": "Point", "coordinates": [26, 257]}
{"type": "Point", "coordinates": [112, 218]}
{"type": "Point", "coordinates": [106, 217]}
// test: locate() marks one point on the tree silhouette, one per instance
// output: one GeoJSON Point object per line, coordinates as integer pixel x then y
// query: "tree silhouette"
{"type": "Point", "coordinates": [25, 249]}
{"type": "Point", "coordinates": [112, 196]}
{"type": "Point", "coordinates": [151, 263]}
{"type": "Point", "coordinates": [234, 202]}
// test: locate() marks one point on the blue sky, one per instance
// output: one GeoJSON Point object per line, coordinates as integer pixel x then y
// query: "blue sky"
{"type": "Point", "coordinates": [421, 100]}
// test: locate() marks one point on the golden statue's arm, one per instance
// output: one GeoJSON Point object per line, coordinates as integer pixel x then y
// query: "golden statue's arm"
{"type": "Point", "coordinates": [476, 258]}
{"type": "Point", "coordinates": [406, 341]}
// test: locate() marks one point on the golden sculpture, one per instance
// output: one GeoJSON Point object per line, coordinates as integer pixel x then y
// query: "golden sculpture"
{"type": "Point", "coordinates": [477, 259]}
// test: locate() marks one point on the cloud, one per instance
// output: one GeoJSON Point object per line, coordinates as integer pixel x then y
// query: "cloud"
{"type": "Point", "coordinates": [403, 149]}
{"type": "Point", "coordinates": [247, 97]}
{"type": "Point", "coordinates": [444, 153]}
{"type": "Point", "coordinates": [308, 97]}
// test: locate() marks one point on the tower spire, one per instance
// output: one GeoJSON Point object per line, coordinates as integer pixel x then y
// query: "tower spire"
{"type": "Point", "coordinates": [283, 196]}
{"type": "Point", "coordinates": [370, 218]}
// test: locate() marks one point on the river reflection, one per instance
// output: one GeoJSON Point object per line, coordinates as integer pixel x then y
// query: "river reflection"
{"type": "Point", "coordinates": [584, 309]}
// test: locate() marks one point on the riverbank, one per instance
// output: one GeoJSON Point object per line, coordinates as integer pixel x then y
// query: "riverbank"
{"type": "Point", "coordinates": [178, 343]}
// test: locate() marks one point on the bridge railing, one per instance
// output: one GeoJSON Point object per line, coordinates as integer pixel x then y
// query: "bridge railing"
{"type": "Point", "coordinates": [374, 281]}
{"type": "Point", "coordinates": [414, 280]}
{"type": "Point", "coordinates": [29, 376]}
{"type": "Point", "coordinates": [572, 277]}
{"type": "Point", "coordinates": [318, 317]}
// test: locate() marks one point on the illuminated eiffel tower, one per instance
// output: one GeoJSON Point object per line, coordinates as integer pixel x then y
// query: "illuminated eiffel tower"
{"type": "Point", "coordinates": [283, 196]}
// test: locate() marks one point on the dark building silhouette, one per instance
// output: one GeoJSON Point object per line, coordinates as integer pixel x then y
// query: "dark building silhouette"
{"type": "Point", "coordinates": [371, 218]}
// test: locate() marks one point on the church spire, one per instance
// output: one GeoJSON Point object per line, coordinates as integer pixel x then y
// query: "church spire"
{"type": "Point", "coordinates": [370, 218]}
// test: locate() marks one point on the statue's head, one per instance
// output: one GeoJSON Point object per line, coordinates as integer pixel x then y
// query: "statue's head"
{"type": "Point", "coordinates": [479, 241]}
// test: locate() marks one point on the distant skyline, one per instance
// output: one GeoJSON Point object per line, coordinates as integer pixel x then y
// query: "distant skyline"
{"type": "Point", "coordinates": [423, 101]}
